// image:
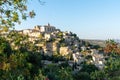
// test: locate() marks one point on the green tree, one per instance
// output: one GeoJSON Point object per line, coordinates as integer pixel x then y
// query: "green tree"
{"type": "Point", "coordinates": [82, 76]}
{"type": "Point", "coordinates": [112, 64]}
{"type": "Point", "coordinates": [16, 64]}
{"type": "Point", "coordinates": [12, 11]}
{"type": "Point", "coordinates": [55, 72]}
{"type": "Point", "coordinates": [89, 68]}
{"type": "Point", "coordinates": [98, 75]}
{"type": "Point", "coordinates": [64, 74]}
{"type": "Point", "coordinates": [5, 48]}
{"type": "Point", "coordinates": [60, 35]}
{"type": "Point", "coordinates": [40, 76]}
{"type": "Point", "coordinates": [17, 40]}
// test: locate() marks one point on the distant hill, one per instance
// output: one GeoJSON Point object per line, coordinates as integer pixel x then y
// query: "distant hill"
{"type": "Point", "coordinates": [100, 42]}
{"type": "Point", "coordinates": [96, 42]}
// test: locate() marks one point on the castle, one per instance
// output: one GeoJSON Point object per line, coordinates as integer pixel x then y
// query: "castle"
{"type": "Point", "coordinates": [46, 28]}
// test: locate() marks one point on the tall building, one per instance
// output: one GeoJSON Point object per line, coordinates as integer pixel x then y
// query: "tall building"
{"type": "Point", "coordinates": [46, 28]}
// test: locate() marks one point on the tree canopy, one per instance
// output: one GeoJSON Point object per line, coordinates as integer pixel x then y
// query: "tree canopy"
{"type": "Point", "coordinates": [12, 11]}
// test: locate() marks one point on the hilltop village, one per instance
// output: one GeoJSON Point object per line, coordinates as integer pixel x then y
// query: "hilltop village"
{"type": "Point", "coordinates": [51, 41]}
{"type": "Point", "coordinates": [56, 55]}
{"type": "Point", "coordinates": [47, 52]}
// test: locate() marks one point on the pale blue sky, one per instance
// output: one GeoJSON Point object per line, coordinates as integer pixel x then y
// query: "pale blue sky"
{"type": "Point", "coordinates": [89, 19]}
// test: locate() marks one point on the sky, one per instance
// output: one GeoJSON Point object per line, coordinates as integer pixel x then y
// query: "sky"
{"type": "Point", "coordinates": [89, 19]}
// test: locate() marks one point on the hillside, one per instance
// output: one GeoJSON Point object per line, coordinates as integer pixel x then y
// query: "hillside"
{"type": "Point", "coordinates": [96, 42]}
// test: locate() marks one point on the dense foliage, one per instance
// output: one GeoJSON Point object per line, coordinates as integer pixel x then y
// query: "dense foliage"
{"type": "Point", "coordinates": [25, 63]}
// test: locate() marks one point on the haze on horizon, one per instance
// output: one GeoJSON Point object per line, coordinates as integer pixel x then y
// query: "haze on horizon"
{"type": "Point", "coordinates": [89, 19]}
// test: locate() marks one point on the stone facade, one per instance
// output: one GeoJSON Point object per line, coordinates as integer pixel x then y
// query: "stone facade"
{"type": "Point", "coordinates": [64, 51]}
{"type": "Point", "coordinates": [55, 47]}
{"type": "Point", "coordinates": [47, 36]}
{"type": "Point", "coordinates": [46, 28]}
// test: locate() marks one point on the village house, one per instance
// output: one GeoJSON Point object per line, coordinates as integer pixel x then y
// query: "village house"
{"type": "Point", "coordinates": [48, 49]}
{"type": "Point", "coordinates": [94, 51]}
{"type": "Point", "coordinates": [83, 48]}
{"type": "Point", "coordinates": [77, 57]}
{"type": "Point", "coordinates": [27, 31]}
{"type": "Point", "coordinates": [55, 46]}
{"type": "Point", "coordinates": [65, 51]}
{"type": "Point", "coordinates": [98, 60]}
{"type": "Point", "coordinates": [47, 36]}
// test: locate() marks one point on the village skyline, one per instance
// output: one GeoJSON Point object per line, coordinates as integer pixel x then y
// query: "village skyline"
{"type": "Point", "coordinates": [89, 19]}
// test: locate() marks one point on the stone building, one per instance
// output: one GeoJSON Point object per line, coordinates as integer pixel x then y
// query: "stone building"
{"type": "Point", "coordinates": [46, 28]}
{"type": "Point", "coordinates": [64, 51]}
{"type": "Point", "coordinates": [48, 49]}
{"type": "Point", "coordinates": [56, 46]}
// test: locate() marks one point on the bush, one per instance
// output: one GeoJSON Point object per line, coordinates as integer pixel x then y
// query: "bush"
{"type": "Point", "coordinates": [82, 76]}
